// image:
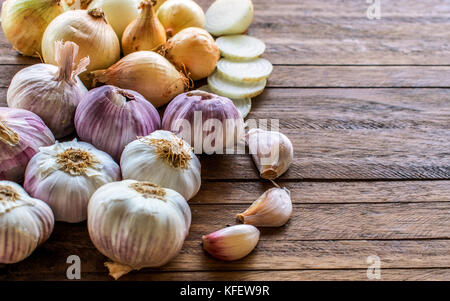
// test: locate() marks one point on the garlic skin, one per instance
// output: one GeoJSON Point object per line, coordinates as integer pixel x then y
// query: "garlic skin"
{"type": "Point", "coordinates": [137, 224]}
{"type": "Point", "coordinates": [272, 209]}
{"type": "Point", "coordinates": [90, 31]}
{"type": "Point", "coordinates": [65, 175]}
{"type": "Point", "coordinates": [25, 223]}
{"type": "Point", "coordinates": [24, 22]}
{"type": "Point", "coordinates": [51, 92]}
{"type": "Point", "coordinates": [164, 159]}
{"type": "Point", "coordinates": [272, 152]}
{"type": "Point", "coordinates": [176, 15]}
{"type": "Point", "coordinates": [231, 243]}
{"type": "Point", "coordinates": [144, 33]}
{"type": "Point", "coordinates": [194, 51]}
{"type": "Point", "coordinates": [22, 133]}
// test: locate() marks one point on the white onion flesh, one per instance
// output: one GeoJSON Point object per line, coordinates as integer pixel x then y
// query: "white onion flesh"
{"type": "Point", "coordinates": [240, 47]}
{"type": "Point", "coordinates": [245, 71]}
{"type": "Point", "coordinates": [244, 105]}
{"type": "Point", "coordinates": [226, 17]}
{"type": "Point", "coordinates": [231, 89]}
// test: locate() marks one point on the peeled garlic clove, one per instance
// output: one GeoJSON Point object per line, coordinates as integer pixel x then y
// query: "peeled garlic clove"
{"type": "Point", "coordinates": [144, 33]}
{"type": "Point", "coordinates": [272, 152]}
{"type": "Point", "coordinates": [231, 243]}
{"type": "Point", "coordinates": [272, 209]}
{"type": "Point", "coordinates": [25, 223]}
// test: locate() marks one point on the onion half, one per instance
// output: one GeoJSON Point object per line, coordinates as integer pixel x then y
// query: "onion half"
{"type": "Point", "coordinates": [225, 17]}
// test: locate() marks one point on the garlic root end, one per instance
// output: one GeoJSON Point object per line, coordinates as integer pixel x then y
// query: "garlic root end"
{"type": "Point", "coordinates": [117, 270]}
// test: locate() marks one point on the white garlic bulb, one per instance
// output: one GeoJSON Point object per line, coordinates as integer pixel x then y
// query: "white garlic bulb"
{"type": "Point", "coordinates": [272, 209]}
{"type": "Point", "coordinates": [231, 243]}
{"type": "Point", "coordinates": [137, 224]}
{"type": "Point", "coordinates": [164, 159]}
{"type": "Point", "coordinates": [65, 175]}
{"type": "Point", "coordinates": [272, 152]}
{"type": "Point", "coordinates": [25, 223]}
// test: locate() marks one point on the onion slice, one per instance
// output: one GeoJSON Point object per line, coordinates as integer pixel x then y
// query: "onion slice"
{"type": "Point", "coordinates": [240, 47]}
{"type": "Point", "coordinates": [244, 105]}
{"type": "Point", "coordinates": [235, 90]}
{"type": "Point", "coordinates": [226, 17]}
{"type": "Point", "coordinates": [245, 71]}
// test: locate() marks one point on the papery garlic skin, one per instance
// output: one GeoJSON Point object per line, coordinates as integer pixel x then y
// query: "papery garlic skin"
{"type": "Point", "coordinates": [51, 92]}
{"type": "Point", "coordinates": [119, 13]}
{"type": "Point", "coordinates": [272, 209]}
{"type": "Point", "coordinates": [24, 22]}
{"type": "Point", "coordinates": [65, 175]}
{"type": "Point", "coordinates": [25, 223]}
{"type": "Point", "coordinates": [231, 243]}
{"type": "Point", "coordinates": [138, 224]}
{"type": "Point", "coordinates": [164, 159]}
{"type": "Point", "coordinates": [176, 15]}
{"type": "Point", "coordinates": [90, 31]}
{"type": "Point", "coordinates": [144, 33]}
{"type": "Point", "coordinates": [208, 122]}
{"type": "Point", "coordinates": [109, 118]}
{"type": "Point", "coordinates": [147, 73]}
{"type": "Point", "coordinates": [22, 133]}
{"type": "Point", "coordinates": [194, 51]}
{"type": "Point", "coordinates": [272, 152]}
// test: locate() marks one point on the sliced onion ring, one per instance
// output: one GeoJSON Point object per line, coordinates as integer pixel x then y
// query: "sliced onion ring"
{"type": "Point", "coordinates": [235, 90]}
{"type": "Point", "coordinates": [240, 47]}
{"type": "Point", "coordinates": [245, 71]}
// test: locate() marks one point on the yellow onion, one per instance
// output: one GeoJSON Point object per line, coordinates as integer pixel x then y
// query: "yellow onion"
{"type": "Point", "coordinates": [194, 51]}
{"type": "Point", "coordinates": [147, 73]}
{"type": "Point", "coordinates": [24, 22]}
{"type": "Point", "coordinates": [176, 15]}
{"type": "Point", "coordinates": [90, 31]}
{"type": "Point", "coordinates": [158, 4]}
{"type": "Point", "coordinates": [144, 33]}
{"type": "Point", "coordinates": [119, 13]}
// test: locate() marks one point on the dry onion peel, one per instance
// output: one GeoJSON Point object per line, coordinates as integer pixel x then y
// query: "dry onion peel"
{"type": "Point", "coordinates": [225, 17]}
{"type": "Point", "coordinates": [222, 86]}
{"type": "Point", "coordinates": [240, 47]}
{"type": "Point", "coordinates": [245, 71]}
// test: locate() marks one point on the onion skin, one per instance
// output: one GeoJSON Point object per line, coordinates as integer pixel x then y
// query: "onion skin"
{"type": "Point", "coordinates": [24, 22]}
{"type": "Point", "coordinates": [212, 107]}
{"type": "Point", "coordinates": [90, 31]}
{"type": "Point", "coordinates": [26, 223]}
{"type": "Point", "coordinates": [194, 51]}
{"type": "Point", "coordinates": [147, 73]}
{"type": "Point", "coordinates": [110, 126]}
{"type": "Point", "coordinates": [176, 15]}
{"type": "Point", "coordinates": [32, 133]}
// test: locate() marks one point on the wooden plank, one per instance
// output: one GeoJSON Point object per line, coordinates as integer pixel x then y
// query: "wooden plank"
{"type": "Point", "coordinates": [328, 192]}
{"type": "Point", "coordinates": [333, 76]}
{"type": "Point", "coordinates": [336, 32]}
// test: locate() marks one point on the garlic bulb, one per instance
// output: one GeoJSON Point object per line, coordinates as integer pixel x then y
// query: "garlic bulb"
{"type": "Point", "coordinates": [231, 243]}
{"type": "Point", "coordinates": [176, 15]}
{"type": "Point", "coordinates": [21, 134]}
{"type": "Point", "coordinates": [272, 152]}
{"type": "Point", "coordinates": [109, 118]}
{"type": "Point", "coordinates": [176, 164]}
{"type": "Point", "coordinates": [144, 33]}
{"type": "Point", "coordinates": [119, 13]}
{"type": "Point", "coordinates": [137, 224]}
{"type": "Point", "coordinates": [147, 73]}
{"type": "Point", "coordinates": [51, 92]}
{"type": "Point", "coordinates": [90, 31]}
{"type": "Point", "coordinates": [65, 175]}
{"type": "Point", "coordinates": [194, 51]}
{"type": "Point", "coordinates": [208, 122]}
{"type": "Point", "coordinates": [25, 223]}
{"type": "Point", "coordinates": [272, 209]}
{"type": "Point", "coordinates": [24, 22]}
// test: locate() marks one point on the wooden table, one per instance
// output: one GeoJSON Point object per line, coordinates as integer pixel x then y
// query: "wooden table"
{"type": "Point", "coordinates": [367, 106]}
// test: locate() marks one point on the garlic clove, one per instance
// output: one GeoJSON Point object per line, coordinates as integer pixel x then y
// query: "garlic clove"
{"type": "Point", "coordinates": [272, 152]}
{"type": "Point", "coordinates": [272, 209]}
{"type": "Point", "coordinates": [231, 243]}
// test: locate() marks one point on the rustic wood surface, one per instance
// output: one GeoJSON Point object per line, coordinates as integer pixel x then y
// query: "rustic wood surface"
{"type": "Point", "coordinates": [366, 104]}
